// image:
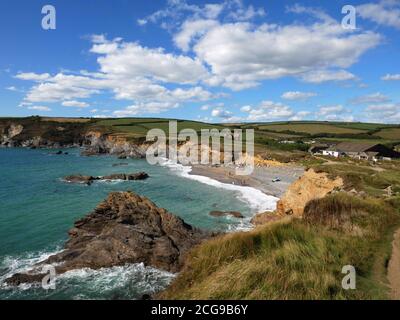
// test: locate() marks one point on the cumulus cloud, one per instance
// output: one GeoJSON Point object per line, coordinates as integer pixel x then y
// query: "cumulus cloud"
{"type": "Point", "coordinates": [319, 76]}
{"type": "Point", "coordinates": [150, 107]}
{"type": "Point", "coordinates": [39, 108]}
{"type": "Point", "coordinates": [221, 113]}
{"type": "Point", "coordinates": [191, 29]}
{"type": "Point", "coordinates": [297, 95]}
{"type": "Point", "coordinates": [335, 113]}
{"type": "Point", "coordinates": [370, 98]}
{"type": "Point", "coordinates": [129, 71]}
{"type": "Point", "coordinates": [326, 110]}
{"type": "Point", "coordinates": [385, 112]}
{"type": "Point", "coordinates": [242, 55]}
{"type": "Point", "coordinates": [301, 115]}
{"type": "Point", "coordinates": [74, 103]}
{"type": "Point", "coordinates": [386, 13]}
{"type": "Point", "coordinates": [33, 76]}
{"type": "Point", "coordinates": [267, 111]}
{"type": "Point", "coordinates": [391, 77]}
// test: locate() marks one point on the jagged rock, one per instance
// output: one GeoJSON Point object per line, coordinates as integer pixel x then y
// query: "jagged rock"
{"type": "Point", "coordinates": [80, 179]}
{"type": "Point", "coordinates": [125, 228]}
{"type": "Point", "coordinates": [118, 176]}
{"type": "Point", "coordinates": [312, 185]}
{"type": "Point", "coordinates": [122, 176]}
{"type": "Point", "coordinates": [226, 213]}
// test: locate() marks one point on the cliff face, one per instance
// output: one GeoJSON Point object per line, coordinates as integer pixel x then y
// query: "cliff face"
{"type": "Point", "coordinates": [40, 134]}
{"type": "Point", "coordinates": [310, 186]}
{"type": "Point", "coordinates": [98, 143]}
{"type": "Point", "coordinates": [124, 228]}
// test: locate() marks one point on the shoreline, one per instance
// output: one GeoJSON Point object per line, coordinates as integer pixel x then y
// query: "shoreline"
{"type": "Point", "coordinates": [261, 178]}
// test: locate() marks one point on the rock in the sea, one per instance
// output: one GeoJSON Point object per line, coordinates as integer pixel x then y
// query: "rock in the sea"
{"type": "Point", "coordinates": [226, 213]}
{"type": "Point", "coordinates": [80, 179]}
{"type": "Point", "coordinates": [88, 180]}
{"type": "Point", "coordinates": [125, 228]}
{"type": "Point", "coordinates": [122, 176]}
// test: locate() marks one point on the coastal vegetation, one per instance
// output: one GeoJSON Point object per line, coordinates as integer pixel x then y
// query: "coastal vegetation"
{"type": "Point", "coordinates": [289, 258]}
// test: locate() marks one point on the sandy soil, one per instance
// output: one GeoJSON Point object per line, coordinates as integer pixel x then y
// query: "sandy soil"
{"type": "Point", "coordinates": [394, 268]}
{"type": "Point", "coordinates": [260, 179]}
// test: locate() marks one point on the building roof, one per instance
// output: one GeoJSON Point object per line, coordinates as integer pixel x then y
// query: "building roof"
{"type": "Point", "coordinates": [353, 146]}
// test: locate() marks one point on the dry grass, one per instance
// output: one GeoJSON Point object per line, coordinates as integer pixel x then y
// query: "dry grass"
{"type": "Point", "coordinates": [294, 260]}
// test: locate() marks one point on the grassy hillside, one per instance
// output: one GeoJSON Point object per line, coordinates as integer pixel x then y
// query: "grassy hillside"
{"type": "Point", "coordinates": [302, 259]}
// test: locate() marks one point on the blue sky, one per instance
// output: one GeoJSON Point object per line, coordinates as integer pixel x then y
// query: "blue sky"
{"type": "Point", "coordinates": [216, 61]}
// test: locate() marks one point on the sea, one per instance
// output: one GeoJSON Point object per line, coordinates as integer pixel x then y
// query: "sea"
{"type": "Point", "coordinates": [37, 208]}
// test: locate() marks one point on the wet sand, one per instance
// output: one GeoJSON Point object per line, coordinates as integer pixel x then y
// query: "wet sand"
{"type": "Point", "coordinates": [261, 178]}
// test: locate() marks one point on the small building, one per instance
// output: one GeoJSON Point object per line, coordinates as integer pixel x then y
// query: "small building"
{"type": "Point", "coordinates": [361, 151]}
{"type": "Point", "coordinates": [318, 149]}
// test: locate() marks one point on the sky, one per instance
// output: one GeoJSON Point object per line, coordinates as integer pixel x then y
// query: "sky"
{"type": "Point", "coordinates": [213, 61]}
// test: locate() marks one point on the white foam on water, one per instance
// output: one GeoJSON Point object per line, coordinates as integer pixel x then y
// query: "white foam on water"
{"type": "Point", "coordinates": [145, 279]}
{"type": "Point", "coordinates": [256, 199]}
{"type": "Point", "coordinates": [11, 265]}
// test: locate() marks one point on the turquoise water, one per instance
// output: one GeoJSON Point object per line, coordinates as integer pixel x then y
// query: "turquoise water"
{"type": "Point", "coordinates": [37, 209]}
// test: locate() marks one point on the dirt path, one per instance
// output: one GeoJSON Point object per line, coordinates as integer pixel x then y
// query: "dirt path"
{"type": "Point", "coordinates": [394, 268]}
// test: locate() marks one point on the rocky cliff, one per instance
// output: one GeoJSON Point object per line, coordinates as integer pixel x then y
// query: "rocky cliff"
{"type": "Point", "coordinates": [35, 133]}
{"type": "Point", "coordinates": [125, 228]}
{"type": "Point", "coordinates": [310, 186]}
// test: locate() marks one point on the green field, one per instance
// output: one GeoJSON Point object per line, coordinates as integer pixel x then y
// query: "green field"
{"type": "Point", "coordinates": [140, 127]}
{"type": "Point", "coordinates": [311, 128]}
{"type": "Point", "coordinates": [389, 134]}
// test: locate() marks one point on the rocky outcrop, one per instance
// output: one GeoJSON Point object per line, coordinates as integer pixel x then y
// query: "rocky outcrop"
{"type": "Point", "coordinates": [125, 228]}
{"type": "Point", "coordinates": [310, 186]}
{"type": "Point", "coordinates": [98, 143]}
{"type": "Point", "coordinates": [265, 218]}
{"type": "Point", "coordinates": [88, 180]}
{"type": "Point", "coordinates": [234, 214]}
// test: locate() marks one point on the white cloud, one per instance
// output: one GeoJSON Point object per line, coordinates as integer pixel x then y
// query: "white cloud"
{"type": "Point", "coordinates": [242, 55]}
{"type": "Point", "coordinates": [320, 76]}
{"type": "Point", "coordinates": [391, 77]}
{"type": "Point", "coordinates": [370, 98]}
{"type": "Point", "coordinates": [327, 110]}
{"type": "Point", "coordinates": [39, 108]}
{"type": "Point", "coordinates": [131, 72]}
{"type": "Point", "coordinates": [33, 76]}
{"type": "Point", "coordinates": [142, 108]}
{"type": "Point", "coordinates": [385, 112]}
{"type": "Point", "coordinates": [297, 95]}
{"type": "Point", "coordinates": [191, 29]}
{"type": "Point", "coordinates": [205, 107]}
{"type": "Point", "coordinates": [73, 103]}
{"type": "Point", "coordinates": [268, 111]}
{"type": "Point", "coordinates": [172, 15]}
{"type": "Point", "coordinates": [11, 88]}
{"type": "Point", "coordinates": [301, 115]}
{"type": "Point", "coordinates": [245, 108]}
{"type": "Point", "coordinates": [221, 113]}
{"type": "Point", "coordinates": [386, 13]}
{"type": "Point", "coordinates": [133, 60]}
{"type": "Point", "coordinates": [335, 113]}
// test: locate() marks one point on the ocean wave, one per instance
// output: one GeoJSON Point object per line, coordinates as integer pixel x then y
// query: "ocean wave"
{"type": "Point", "coordinates": [121, 282]}
{"type": "Point", "coordinates": [256, 199]}
{"type": "Point", "coordinates": [10, 265]}
{"type": "Point", "coordinates": [135, 279]}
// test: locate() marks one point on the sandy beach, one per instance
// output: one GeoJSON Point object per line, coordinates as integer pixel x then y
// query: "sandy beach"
{"type": "Point", "coordinates": [261, 178]}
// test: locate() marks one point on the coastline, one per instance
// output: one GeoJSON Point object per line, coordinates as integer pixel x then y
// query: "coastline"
{"type": "Point", "coordinates": [261, 178]}
{"type": "Point", "coordinates": [257, 190]}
